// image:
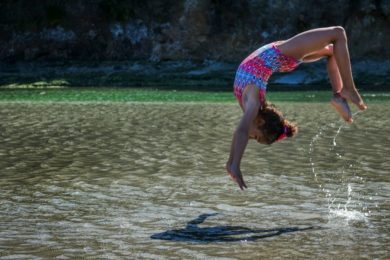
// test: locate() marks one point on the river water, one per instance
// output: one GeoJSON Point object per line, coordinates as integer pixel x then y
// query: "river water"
{"type": "Point", "coordinates": [147, 181]}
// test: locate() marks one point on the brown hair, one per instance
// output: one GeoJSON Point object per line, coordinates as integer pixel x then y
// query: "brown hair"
{"type": "Point", "coordinates": [273, 123]}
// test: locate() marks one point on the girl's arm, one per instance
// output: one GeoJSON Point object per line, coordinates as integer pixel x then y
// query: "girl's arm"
{"type": "Point", "coordinates": [241, 135]}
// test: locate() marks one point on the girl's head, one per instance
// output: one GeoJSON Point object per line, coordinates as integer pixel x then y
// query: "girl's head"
{"type": "Point", "coordinates": [270, 125]}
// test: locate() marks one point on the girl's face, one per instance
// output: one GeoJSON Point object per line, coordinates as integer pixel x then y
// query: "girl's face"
{"type": "Point", "coordinates": [255, 133]}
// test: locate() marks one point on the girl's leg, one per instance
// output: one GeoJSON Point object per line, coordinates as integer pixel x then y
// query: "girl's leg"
{"type": "Point", "coordinates": [306, 43]}
{"type": "Point", "coordinates": [331, 65]}
{"type": "Point", "coordinates": [333, 71]}
{"type": "Point", "coordinates": [338, 102]}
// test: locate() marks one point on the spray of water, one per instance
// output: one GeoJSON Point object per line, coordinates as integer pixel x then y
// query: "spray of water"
{"type": "Point", "coordinates": [336, 208]}
{"type": "Point", "coordinates": [345, 212]}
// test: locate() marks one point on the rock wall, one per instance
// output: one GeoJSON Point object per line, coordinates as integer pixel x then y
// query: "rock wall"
{"type": "Point", "coordinates": [199, 30]}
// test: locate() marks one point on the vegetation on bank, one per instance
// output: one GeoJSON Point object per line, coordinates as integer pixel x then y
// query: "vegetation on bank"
{"type": "Point", "coordinates": [176, 75]}
{"type": "Point", "coordinates": [164, 95]}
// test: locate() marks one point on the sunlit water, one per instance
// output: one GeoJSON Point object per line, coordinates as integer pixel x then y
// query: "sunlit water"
{"type": "Point", "coordinates": [147, 181]}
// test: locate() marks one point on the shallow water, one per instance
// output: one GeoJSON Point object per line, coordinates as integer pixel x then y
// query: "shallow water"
{"type": "Point", "coordinates": [147, 181]}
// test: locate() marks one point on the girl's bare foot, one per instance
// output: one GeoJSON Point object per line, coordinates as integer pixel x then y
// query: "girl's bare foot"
{"type": "Point", "coordinates": [341, 106]}
{"type": "Point", "coordinates": [354, 97]}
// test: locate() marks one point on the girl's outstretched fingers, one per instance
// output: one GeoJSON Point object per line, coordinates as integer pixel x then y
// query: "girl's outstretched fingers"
{"type": "Point", "coordinates": [236, 175]}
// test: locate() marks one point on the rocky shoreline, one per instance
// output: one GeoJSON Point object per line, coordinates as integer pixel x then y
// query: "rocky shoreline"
{"type": "Point", "coordinates": [177, 44]}
{"type": "Point", "coordinates": [196, 30]}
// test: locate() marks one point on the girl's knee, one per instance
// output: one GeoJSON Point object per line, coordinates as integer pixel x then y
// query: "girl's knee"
{"type": "Point", "coordinates": [329, 50]}
{"type": "Point", "coordinates": [339, 33]}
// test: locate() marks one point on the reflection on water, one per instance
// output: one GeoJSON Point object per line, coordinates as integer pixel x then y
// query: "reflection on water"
{"type": "Point", "coordinates": [127, 180]}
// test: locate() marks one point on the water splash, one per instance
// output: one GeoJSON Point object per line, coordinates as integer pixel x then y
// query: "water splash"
{"type": "Point", "coordinates": [345, 210]}
{"type": "Point", "coordinates": [311, 151]}
{"type": "Point", "coordinates": [340, 127]}
{"type": "Point", "coordinates": [346, 213]}
{"type": "Point", "coordinates": [337, 133]}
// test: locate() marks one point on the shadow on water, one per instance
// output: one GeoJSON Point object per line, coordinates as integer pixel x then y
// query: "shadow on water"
{"type": "Point", "coordinates": [193, 233]}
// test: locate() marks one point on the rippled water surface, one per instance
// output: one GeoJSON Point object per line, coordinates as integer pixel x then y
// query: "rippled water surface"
{"type": "Point", "coordinates": [147, 181]}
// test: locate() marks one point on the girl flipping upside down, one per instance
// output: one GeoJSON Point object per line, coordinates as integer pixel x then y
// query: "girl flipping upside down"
{"type": "Point", "coordinates": [262, 121]}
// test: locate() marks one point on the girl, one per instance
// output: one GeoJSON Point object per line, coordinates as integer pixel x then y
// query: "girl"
{"type": "Point", "coordinates": [262, 121]}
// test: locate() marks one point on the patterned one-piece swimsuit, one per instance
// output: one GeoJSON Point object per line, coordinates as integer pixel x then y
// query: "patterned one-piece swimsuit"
{"type": "Point", "coordinates": [258, 67]}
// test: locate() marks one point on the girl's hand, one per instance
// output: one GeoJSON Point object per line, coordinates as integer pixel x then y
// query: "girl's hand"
{"type": "Point", "coordinates": [236, 175]}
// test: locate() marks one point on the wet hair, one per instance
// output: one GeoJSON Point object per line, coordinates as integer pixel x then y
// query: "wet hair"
{"type": "Point", "coordinates": [272, 123]}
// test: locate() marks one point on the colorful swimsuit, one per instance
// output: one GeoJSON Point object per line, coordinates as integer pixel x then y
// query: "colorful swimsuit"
{"type": "Point", "coordinates": [258, 67]}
